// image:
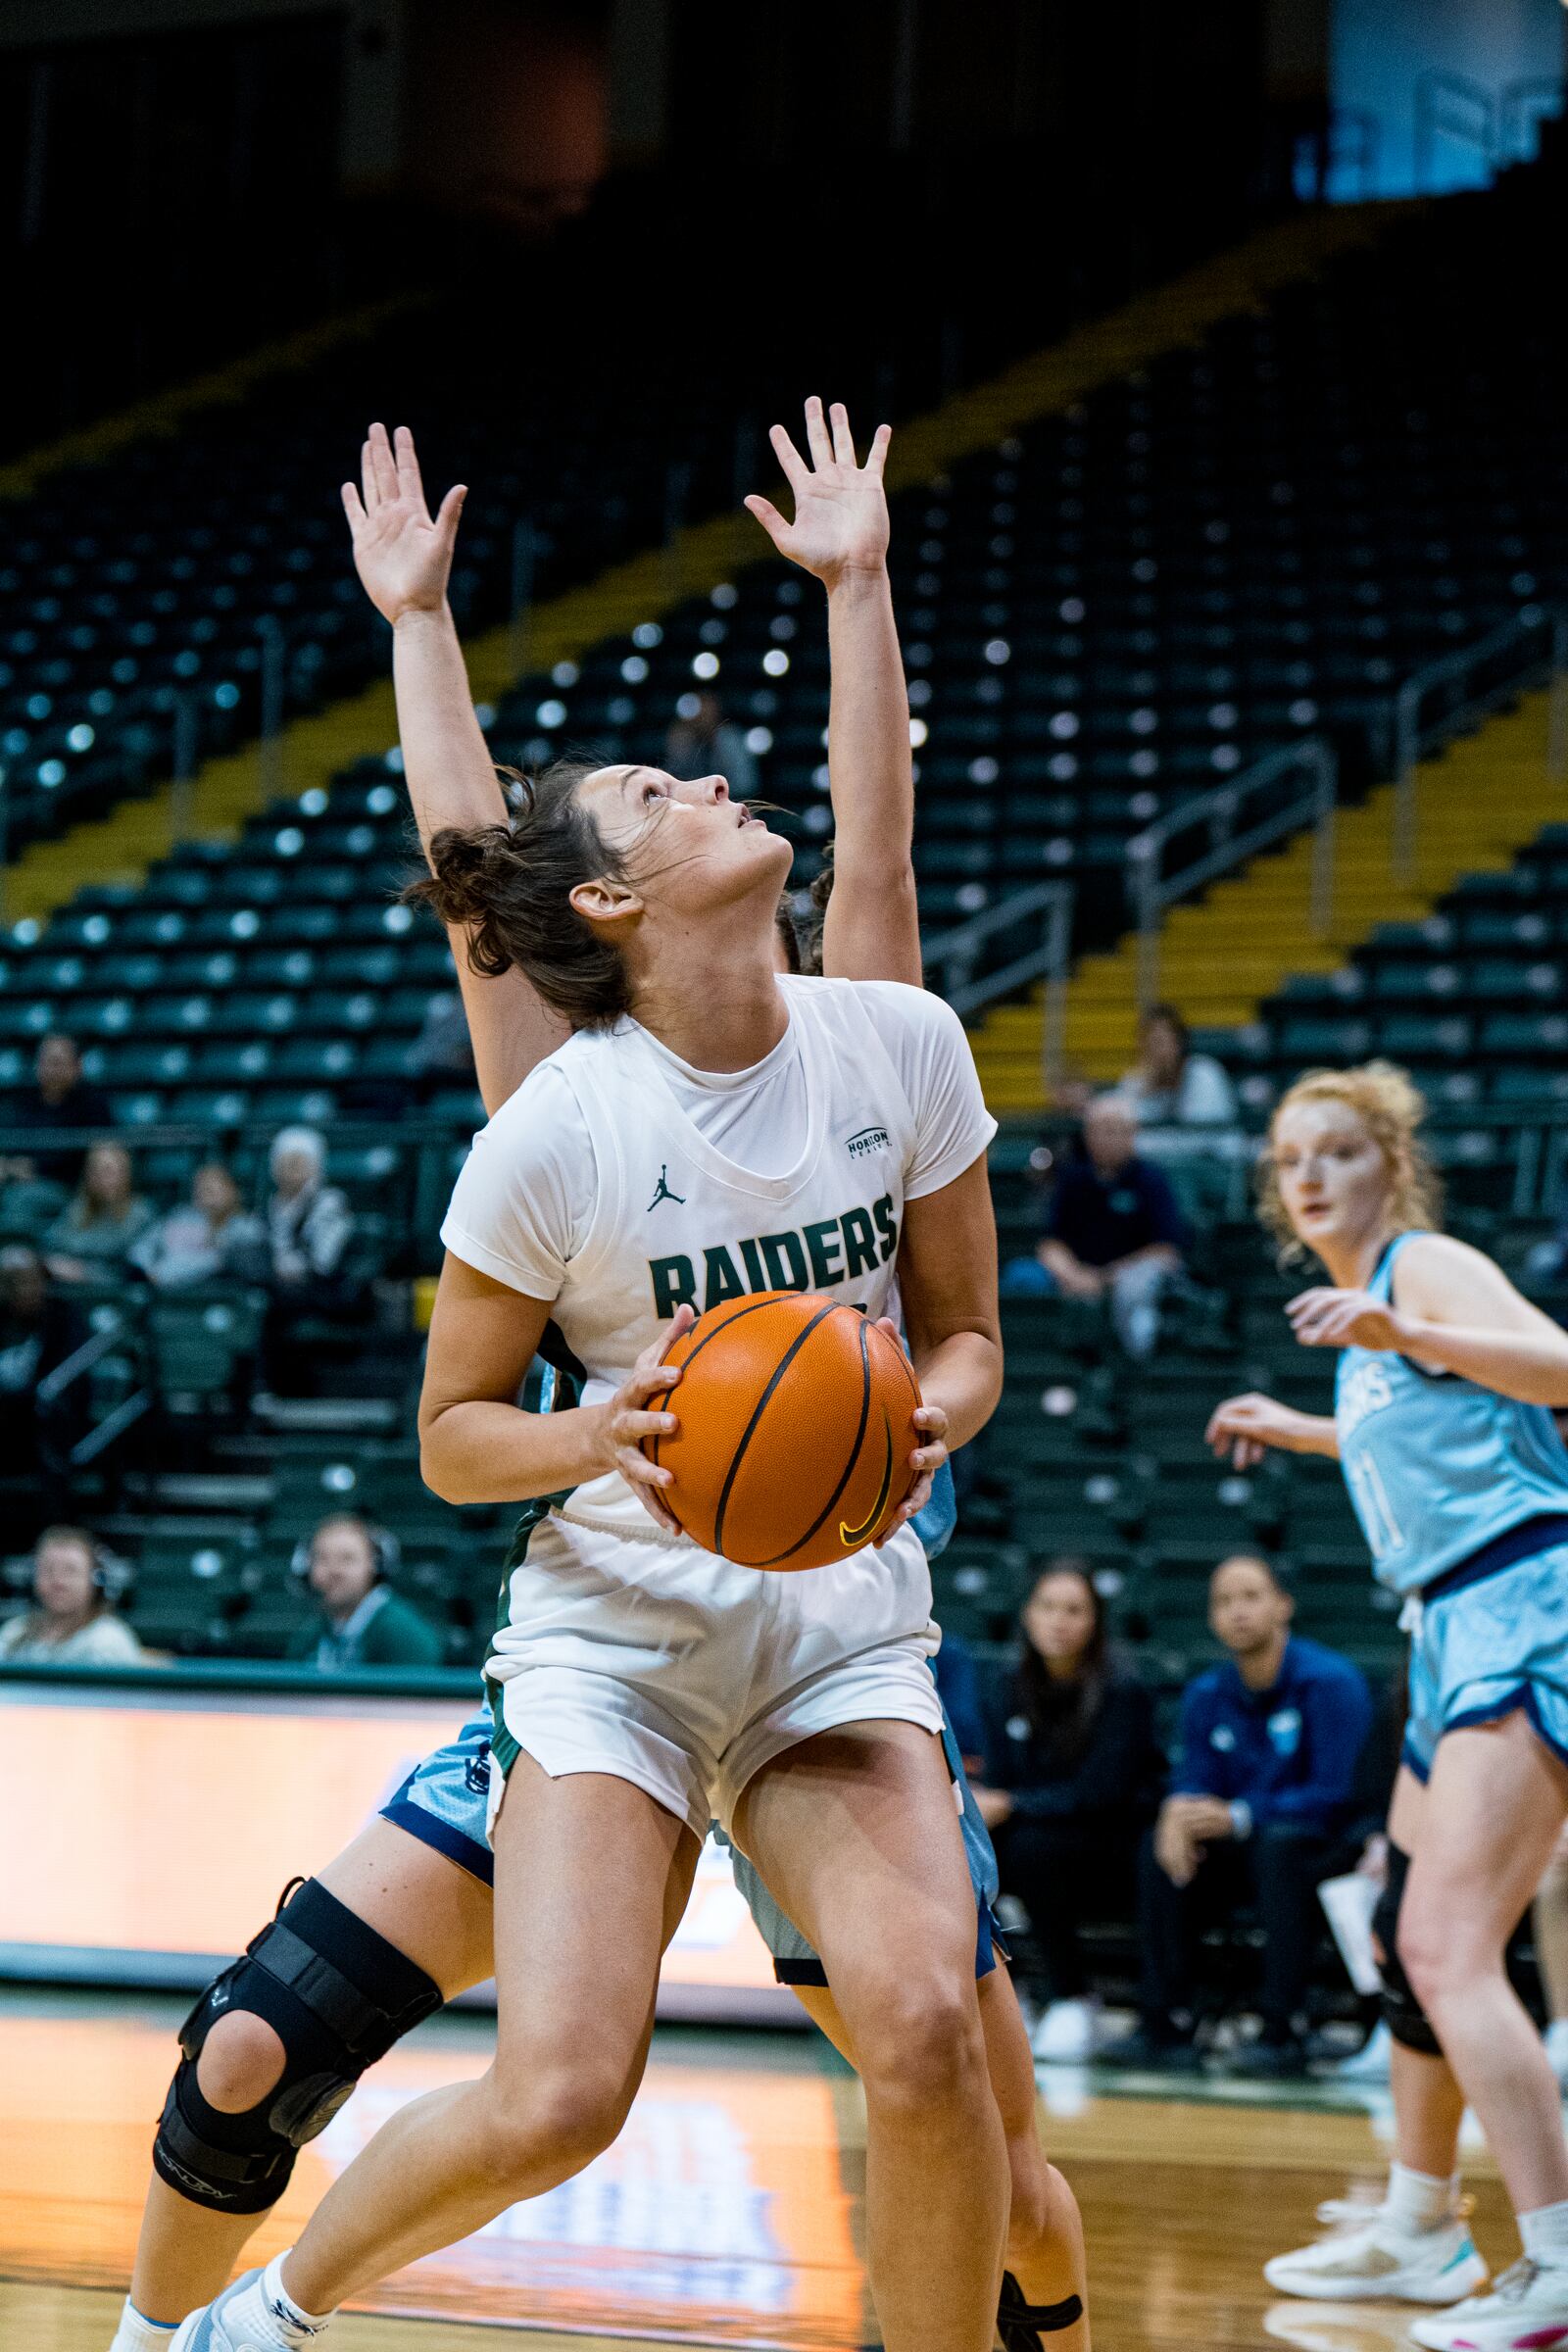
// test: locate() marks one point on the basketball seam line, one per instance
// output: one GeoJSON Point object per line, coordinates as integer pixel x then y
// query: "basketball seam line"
{"type": "Point", "coordinates": [758, 1410]}
{"type": "Point", "coordinates": [831, 1504]}
{"type": "Point", "coordinates": [749, 1307]}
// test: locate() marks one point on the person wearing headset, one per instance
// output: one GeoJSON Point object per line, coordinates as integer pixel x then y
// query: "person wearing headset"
{"type": "Point", "coordinates": [346, 1564]}
{"type": "Point", "coordinates": [75, 1620]}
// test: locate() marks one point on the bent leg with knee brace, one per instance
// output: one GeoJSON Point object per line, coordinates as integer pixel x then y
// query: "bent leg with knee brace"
{"type": "Point", "coordinates": [337, 1995]}
{"type": "Point", "coordinates": [1402, 2013]}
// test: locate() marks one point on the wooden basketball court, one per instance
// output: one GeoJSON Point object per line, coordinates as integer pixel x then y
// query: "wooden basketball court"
{"type": "Point", "coordinates": [730, 2211]}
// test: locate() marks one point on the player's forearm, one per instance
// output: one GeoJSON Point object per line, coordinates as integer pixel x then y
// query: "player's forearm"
{"type": "Point", "coordinates": [1314, 1432]}
{"type": "Point", "coordinates": [482, 1452]}
{"type": "Point", "coordinates": [1529, 1366]}
{"type": "Point", "coordinates": [963, 1374]}
{"type": "Point", "coordinates": [446, 760]}
{"type": "Point", "coordinates": [871, 915]}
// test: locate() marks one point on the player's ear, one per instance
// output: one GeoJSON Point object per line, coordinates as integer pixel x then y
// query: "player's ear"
{"type": "Point", "coordinates": [603, 901]}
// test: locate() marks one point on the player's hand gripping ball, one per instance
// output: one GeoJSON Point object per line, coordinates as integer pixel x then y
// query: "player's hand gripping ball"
{"type": "Point", "coordinates": [796, 1424]}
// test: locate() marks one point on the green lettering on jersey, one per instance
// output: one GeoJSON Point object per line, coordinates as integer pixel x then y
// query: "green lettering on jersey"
{"type": "Point", "coordinates": [752, 1253]}
{"type": "Point", "coordinates": [785, 1261]}
{"type": "Point", "coordinates": [721, 1278]}
{"type": "Point", "coordinates": [887, 1225]}
{"type": "Point", "coordinates": [674, 1281]}
{"type": "Point", "coordinates": [822, 1241]}
{"type": "Point", "coordinates": [860, 1242]}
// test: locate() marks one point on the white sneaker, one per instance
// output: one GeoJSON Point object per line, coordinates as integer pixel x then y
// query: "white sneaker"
{"type": "Point", "coordinates": [1557, 2040]}
{"type": "Point", "coordinates": [1527, 2311]}
{"type": "Point", "coordinates": [1335, 2213]}
{"type": "Point", "coordinates": [1065, 2033]}
{"type": "Point", "coordinates": [1424, 2265]}
{"type": "Point", "coordinates": [244, 2317]}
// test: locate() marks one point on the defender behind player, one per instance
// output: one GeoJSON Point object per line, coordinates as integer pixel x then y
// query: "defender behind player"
{"type": "Point", "coordinates": [1443, 1428]}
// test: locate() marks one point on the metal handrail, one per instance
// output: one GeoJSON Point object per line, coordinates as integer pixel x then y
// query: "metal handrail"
{"type": "Point", "coordinates": [1532, 99]}
{"type": "Point", "coordinates": [1152, 891]}
{"type": "Point", "coordinates": [953, 953]}
{"type": "Point", "coordinates": [1409, 736]}
{"type": "Point", "coordinates": [1433, 120]}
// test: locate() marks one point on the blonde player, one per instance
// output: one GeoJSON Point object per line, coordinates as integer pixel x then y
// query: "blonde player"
{"type": "Point", "coordinates": [639, 1681]}
{"type": "Point", "coordinates": [1443, 1428]}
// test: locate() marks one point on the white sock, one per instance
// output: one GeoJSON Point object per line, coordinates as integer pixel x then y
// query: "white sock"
{"type": "Point", "coordinates": [1419, 2200]}
{"type": "Point", "coordinates": [136, 2334]}
{"type": "Point", "coordinates": [1545, 2235]}
{"type": "Point", "coordinates": [295, 2324]}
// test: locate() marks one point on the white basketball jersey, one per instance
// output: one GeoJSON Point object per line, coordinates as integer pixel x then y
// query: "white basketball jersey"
{"type": "Point", "coordinates": [669, 1219]}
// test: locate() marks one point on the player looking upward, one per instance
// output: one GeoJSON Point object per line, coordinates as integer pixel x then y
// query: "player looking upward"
{"type": "Point", "coordinates": [1443, 1428]}
{"type": "Point", "coordinates": [406, 1887]}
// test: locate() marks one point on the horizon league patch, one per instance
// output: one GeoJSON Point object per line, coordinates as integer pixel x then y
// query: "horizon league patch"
{"type": "Point", "coordinates": [866, 1141]}
{"type": "Point", "coordinates": [813, 1257]}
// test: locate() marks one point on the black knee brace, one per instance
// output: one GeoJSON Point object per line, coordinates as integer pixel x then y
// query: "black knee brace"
{"type": "Point", "coordinates": [337, 1995]}
{"type": "Point", "coordinates": [1402, 2013]}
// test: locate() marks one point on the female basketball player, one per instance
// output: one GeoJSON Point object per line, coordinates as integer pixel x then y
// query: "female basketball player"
{"type": "Point", "coordinates": [413, 1892]}
{"type": "Point", "coordinates": [1453, 1463]}
{"type": "Point", "coordinates": [487, 784]}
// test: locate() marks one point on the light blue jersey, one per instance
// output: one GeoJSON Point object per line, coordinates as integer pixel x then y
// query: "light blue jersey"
{"type": "Point", "coordinates": [1437, 1467]}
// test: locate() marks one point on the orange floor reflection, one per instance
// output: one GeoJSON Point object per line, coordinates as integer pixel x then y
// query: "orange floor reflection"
{"type": "Point", "coordinates": [729, 2212]}
{"type": "Point", "coordinates": [720, 2215]}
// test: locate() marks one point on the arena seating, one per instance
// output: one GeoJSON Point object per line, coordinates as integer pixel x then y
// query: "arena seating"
{"type": "Point", "coordinates": [1470, 1001]}
{"type": "Point", "coordinates": [1252, 540]}
{"type": "Point", "coordinates": [560, 386]}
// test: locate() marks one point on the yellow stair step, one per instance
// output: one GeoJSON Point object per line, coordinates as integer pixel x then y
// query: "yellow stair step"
{"type": "Point", "coordinates": [1222, 954]}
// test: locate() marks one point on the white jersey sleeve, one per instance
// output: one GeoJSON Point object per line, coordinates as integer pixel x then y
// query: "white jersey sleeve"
{"type": "Point", "coordinates": [925, 1041]}
{"type": "Point", "coordinates": [524, 1197]}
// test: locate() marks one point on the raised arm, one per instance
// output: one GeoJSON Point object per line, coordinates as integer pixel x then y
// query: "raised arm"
{"type": "Point", "coordinates": [403, 560]}
{"type": "Point", "coordinates": [839, 535]}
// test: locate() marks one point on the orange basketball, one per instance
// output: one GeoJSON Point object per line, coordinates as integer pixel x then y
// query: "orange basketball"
{"type": "Point", "coordinates": [797, 1423]}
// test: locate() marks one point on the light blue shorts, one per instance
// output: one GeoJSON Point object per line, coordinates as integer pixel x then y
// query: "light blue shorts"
{"type": "Point", "coordinates": [443, 1802]}
{"type": "Point", "coordinates": [1482, 1649]}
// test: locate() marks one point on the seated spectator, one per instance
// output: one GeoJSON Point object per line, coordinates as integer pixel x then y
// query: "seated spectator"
{"type": "Point", "coordinates": [211, 1238]}
{"type": "Point", "coordinates": [61, 1099]}
{"type": "Point", "coordinates": [1264, 1784]}
{"type": "Point", "coordinates": [363, 1622]}
{"type": "Point", "coordinates": [29, 1205]}
{"type": "Point", "coordinates": [26, 1354]}
{"type": "Point", "coordinates": [309, 1228]}
{"type": "Point", "coordinates": [93, 1237]}
{"type": "Point", "coordinates": [702, 742]}
{"type": "Point", "coordinates": [1072, 1776]}
{"type": "Point", "coordinates": [309, 1224]}
{"type": "Point", "coordinates": [73, 1621]}
{"type": "Point", "coordinates": [39, 1327]}
{"type": "Point", "coordinates": [1113, 1230]}
{"type": "Point", "coordinates": [1171, 1086]}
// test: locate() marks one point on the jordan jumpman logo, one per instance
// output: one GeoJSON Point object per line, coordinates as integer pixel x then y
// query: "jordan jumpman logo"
{"type": "Point", "coordinates": [662, 1191]}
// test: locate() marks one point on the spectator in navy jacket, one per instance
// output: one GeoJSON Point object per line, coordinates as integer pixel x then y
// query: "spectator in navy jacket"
{"type": "Point", "coordinates": [1114, 1229]}
{"type": "Point", "coordinates": [1072, 1776]}
{"type": "Point", "coordinates": [1264, 1783]}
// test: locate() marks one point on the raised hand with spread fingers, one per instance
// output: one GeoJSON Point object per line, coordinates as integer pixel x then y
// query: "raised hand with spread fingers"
{"type": "Point", "coordinates": [401, 553]}
{"type": "Point", "coordinates": [841, 509]}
